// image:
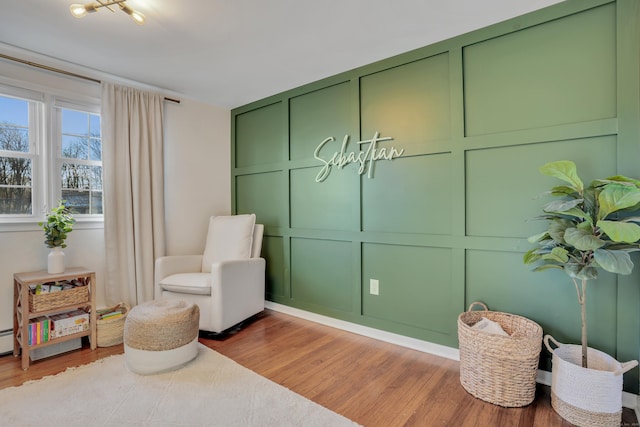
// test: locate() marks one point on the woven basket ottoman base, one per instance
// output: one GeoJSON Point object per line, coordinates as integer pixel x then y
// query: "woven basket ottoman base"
{"type": "Point", "coordinates": [160, 336]}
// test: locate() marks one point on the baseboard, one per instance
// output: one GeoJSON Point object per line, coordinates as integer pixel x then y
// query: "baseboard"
{"type": "Point", "coordinates": [6, 341]}
{"type": "Point", "coordinates": [629, 400]}
{"type": "Point", "coordinates": [401, 340]}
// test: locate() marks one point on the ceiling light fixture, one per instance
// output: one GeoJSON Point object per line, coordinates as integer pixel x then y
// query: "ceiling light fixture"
{"type": "Point", "coordinates": [80, 10]}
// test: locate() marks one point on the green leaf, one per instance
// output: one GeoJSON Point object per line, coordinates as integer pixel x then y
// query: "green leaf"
{"type": "Point", "coordinates": [614, 261]}
{"type": "Point", "coordinates": [582, 240]}
{"type": "Point", "coordinates": [531, 256]}
{"type": "Point", "coordinates": [537, 237]}
{"type": "Point", "coordinates": [579, 213]}
{"type": "Point", "coordinates": [558, 255]}
{"type": "Point", "coordinates": [632, 219]}
{"type": "Point", "coordinates": [557, 228]}
{"type": "Point", "coordinates": [561, 206]}
{"type": "Point", "coordinates": [580, 271]}
{"type": "Point", "coordinates": [617, 231]}
{"type": "Point", "coordinates": [620, 178]}
{"type": "Point", "coordinates": [548, 267]}
{"type": "Point", "coordinates": [615, 197]}
{"type": "Point", "coordinates": [562, 190]}
{"type": "Point", "coordinates": [564, 170]}
{"type": "Point", "coordinates": [585, 226]}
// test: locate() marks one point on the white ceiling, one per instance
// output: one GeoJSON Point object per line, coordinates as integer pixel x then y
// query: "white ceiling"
{"type": "Point", "coordinates": [231, 52]}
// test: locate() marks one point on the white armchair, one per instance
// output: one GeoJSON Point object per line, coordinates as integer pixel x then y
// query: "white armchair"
{"type": "Point", "coordinates": [226, 281]}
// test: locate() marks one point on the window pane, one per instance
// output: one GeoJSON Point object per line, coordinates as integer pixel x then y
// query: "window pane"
{"type": "Point", "coordinates": [83, 202]}
{"type": "Point", "coordinates": [95, 149]}
{"type": "Point", "coordinates": [74, 147]}
{"type": "Point", "coordinates": [82, 188]}
{"type": "Point", "coordinates": [75, 122]}
{"type": "Point", "coordinates": [96, 202]}
{"type": "Point", "coordinates": [94, 125]}
{"type": "Point", "coordinates": [15, 172]}
{"type": "Point", "coordinates": [14, 111]}
{"type": "Point", "coordinates": [15, 201]}
{"type": "Point", "coordinates": [14, 138]}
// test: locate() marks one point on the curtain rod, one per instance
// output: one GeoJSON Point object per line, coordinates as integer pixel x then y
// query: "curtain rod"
{"type": "Point", "coordinates": [66, 73]}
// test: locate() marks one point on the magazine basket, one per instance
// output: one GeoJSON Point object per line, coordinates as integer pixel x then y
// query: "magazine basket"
{"type": "Point", "coordinates": [110, 331]}
{"type": "Point", "coordinates": [51, 300]}
{"type": "Point", "coordinates": [499, 369]}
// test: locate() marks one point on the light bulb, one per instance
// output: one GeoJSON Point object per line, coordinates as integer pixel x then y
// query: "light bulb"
{"type": "Point", "coordinates": [78, 10]}
{"type": "Point", "coordinates": [137, 17]}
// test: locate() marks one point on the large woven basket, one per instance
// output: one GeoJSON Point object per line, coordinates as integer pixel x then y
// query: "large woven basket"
{"type": "Point", "coordinates": [499, 369]}
{"type": "Point", "coordinates": [586, 396]}
{"type": "Point", "coordinates": [50, 300]}
{"type": "Point", "coordinates": [111, 331]}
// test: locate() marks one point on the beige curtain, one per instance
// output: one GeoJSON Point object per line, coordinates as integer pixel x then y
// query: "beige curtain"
{"type": "Point", "coordinates": [133, 191]}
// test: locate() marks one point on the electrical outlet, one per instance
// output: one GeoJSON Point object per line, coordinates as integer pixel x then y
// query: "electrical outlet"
{"type": "Point", "coordinates": [374, 287]}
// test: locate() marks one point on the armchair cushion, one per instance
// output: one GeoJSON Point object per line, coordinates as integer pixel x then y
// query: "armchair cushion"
{"type": "Point", "coordinates": [188, 283]}
{"type": "Point", "coordinates": [229, 237]}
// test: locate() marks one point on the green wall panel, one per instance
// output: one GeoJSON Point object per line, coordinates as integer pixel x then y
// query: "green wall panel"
{"type": "Point", "coordinates": [410, 103]}
{"type": "Point", "coordinates": [327, 205]}
{"type": "Point", "coordinates": [563, 71]}
{"type": "Point", "coordinates": [446, 223]}
{"type": "Point", "coordinates": [265, 195]}
{"type": "Point", "coordinates": [273, 253]}
{"type": "Point", "coordinates": [409, 195]}
{"type": "Point", "coordinates": [259, 136]}
{"type": "Point", "coordinates": [503, 184]}
{"type": "Point", "coordinates": [331, 109]}
{"type": "Point", "coordinates": [414, 285]}
{"type": "Point", "coordinates": [321, 273]}
{"type": "Point", "coordinates": [504, 283]}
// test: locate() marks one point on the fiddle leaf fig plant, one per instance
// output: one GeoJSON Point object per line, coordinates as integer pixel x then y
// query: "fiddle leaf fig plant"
{"type": "Point", "coordinates": [59, 223]}
{"type": "Point", "coordinates": [589, 228]}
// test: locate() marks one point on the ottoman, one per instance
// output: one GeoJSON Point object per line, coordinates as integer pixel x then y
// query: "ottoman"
{"type": "Point", "coordinates": [160, 335]}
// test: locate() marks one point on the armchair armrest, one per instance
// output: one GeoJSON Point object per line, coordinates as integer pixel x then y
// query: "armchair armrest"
{"type": "Point", "coordinates": [167, 265]}
{"type": "Point", "coordinates": [237, 289]}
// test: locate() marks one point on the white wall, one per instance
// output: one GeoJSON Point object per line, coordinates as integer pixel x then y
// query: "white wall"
{"type": "Point", "coordinates": [197, 185]}
{"type": "Point", "coordinates": [197, 172]}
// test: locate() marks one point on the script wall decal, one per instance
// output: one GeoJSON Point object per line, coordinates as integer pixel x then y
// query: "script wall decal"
{"type": "Point", "coordinates": [366, 159]}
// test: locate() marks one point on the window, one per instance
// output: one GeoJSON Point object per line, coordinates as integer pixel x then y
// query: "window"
{"type": "Point", "coordinates": [18, 154]}
{"type": "Point", "coordinates": [50, 150]}
{"type": "Point", "coordinates": [81, 161]}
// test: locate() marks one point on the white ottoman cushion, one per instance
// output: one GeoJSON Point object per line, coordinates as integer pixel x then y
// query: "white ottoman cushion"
{"type": "Point", "coordinates": [146, 362]}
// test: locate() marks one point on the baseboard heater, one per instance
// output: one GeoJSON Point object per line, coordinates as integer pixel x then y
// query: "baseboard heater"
{"type": "Point", "coordinates": [6, 341]}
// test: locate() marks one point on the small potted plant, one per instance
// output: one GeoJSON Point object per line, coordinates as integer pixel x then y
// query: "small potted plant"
{"type": "Point", "coordinates": [59, 223]}
{"type": "Point", "coordinates": [589, 228]}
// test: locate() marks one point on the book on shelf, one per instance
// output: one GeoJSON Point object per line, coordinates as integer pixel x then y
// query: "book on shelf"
{"type": "Point", "coordinates": [69, 322]}
{"type": "Point", "coordinates": [39, 330]}
{"type": "Point", "coordinates": [48, 287]}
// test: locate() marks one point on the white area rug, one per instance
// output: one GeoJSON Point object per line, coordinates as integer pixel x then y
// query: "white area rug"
{"type": "Point", "coordinates": [212, 390]}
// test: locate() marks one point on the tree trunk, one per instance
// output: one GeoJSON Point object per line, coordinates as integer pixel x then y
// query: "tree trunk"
{"type": "Point", "coordinates": [583, 312]}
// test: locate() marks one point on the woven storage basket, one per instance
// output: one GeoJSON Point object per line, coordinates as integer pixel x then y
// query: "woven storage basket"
{"type": "Point", "coordinates": [499, 369]}
{"type": "Point", "coordinates": [111, 331]}
{"type": "Point", "coordinates": [50, 300]}
{"type": "Point", "coordinates": [586, 396]}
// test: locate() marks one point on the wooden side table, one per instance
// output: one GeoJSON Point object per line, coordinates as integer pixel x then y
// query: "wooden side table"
{"type": "Point", "coordinates": [22, 313]}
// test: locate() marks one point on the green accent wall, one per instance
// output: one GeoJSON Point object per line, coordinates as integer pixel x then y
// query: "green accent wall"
{"type": "Point", "coordinates": [446, 223]}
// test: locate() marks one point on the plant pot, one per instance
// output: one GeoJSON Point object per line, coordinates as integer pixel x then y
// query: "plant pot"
{"type": "Point", "coordinates": [589, 396]}
{"type": "Point", "coordinates": [55, 261]}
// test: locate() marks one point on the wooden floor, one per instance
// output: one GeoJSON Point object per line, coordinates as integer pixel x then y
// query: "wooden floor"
{"type": "Point", "coordinates": [369, 381]}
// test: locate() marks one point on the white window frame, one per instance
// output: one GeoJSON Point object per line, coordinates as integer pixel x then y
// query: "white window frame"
{"type": "Point", "coordinates": [46, 152]}
{"type": "Point", "coordinates": [37, 104]}
{"type": "Point", "coordinates": [55, 157]}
